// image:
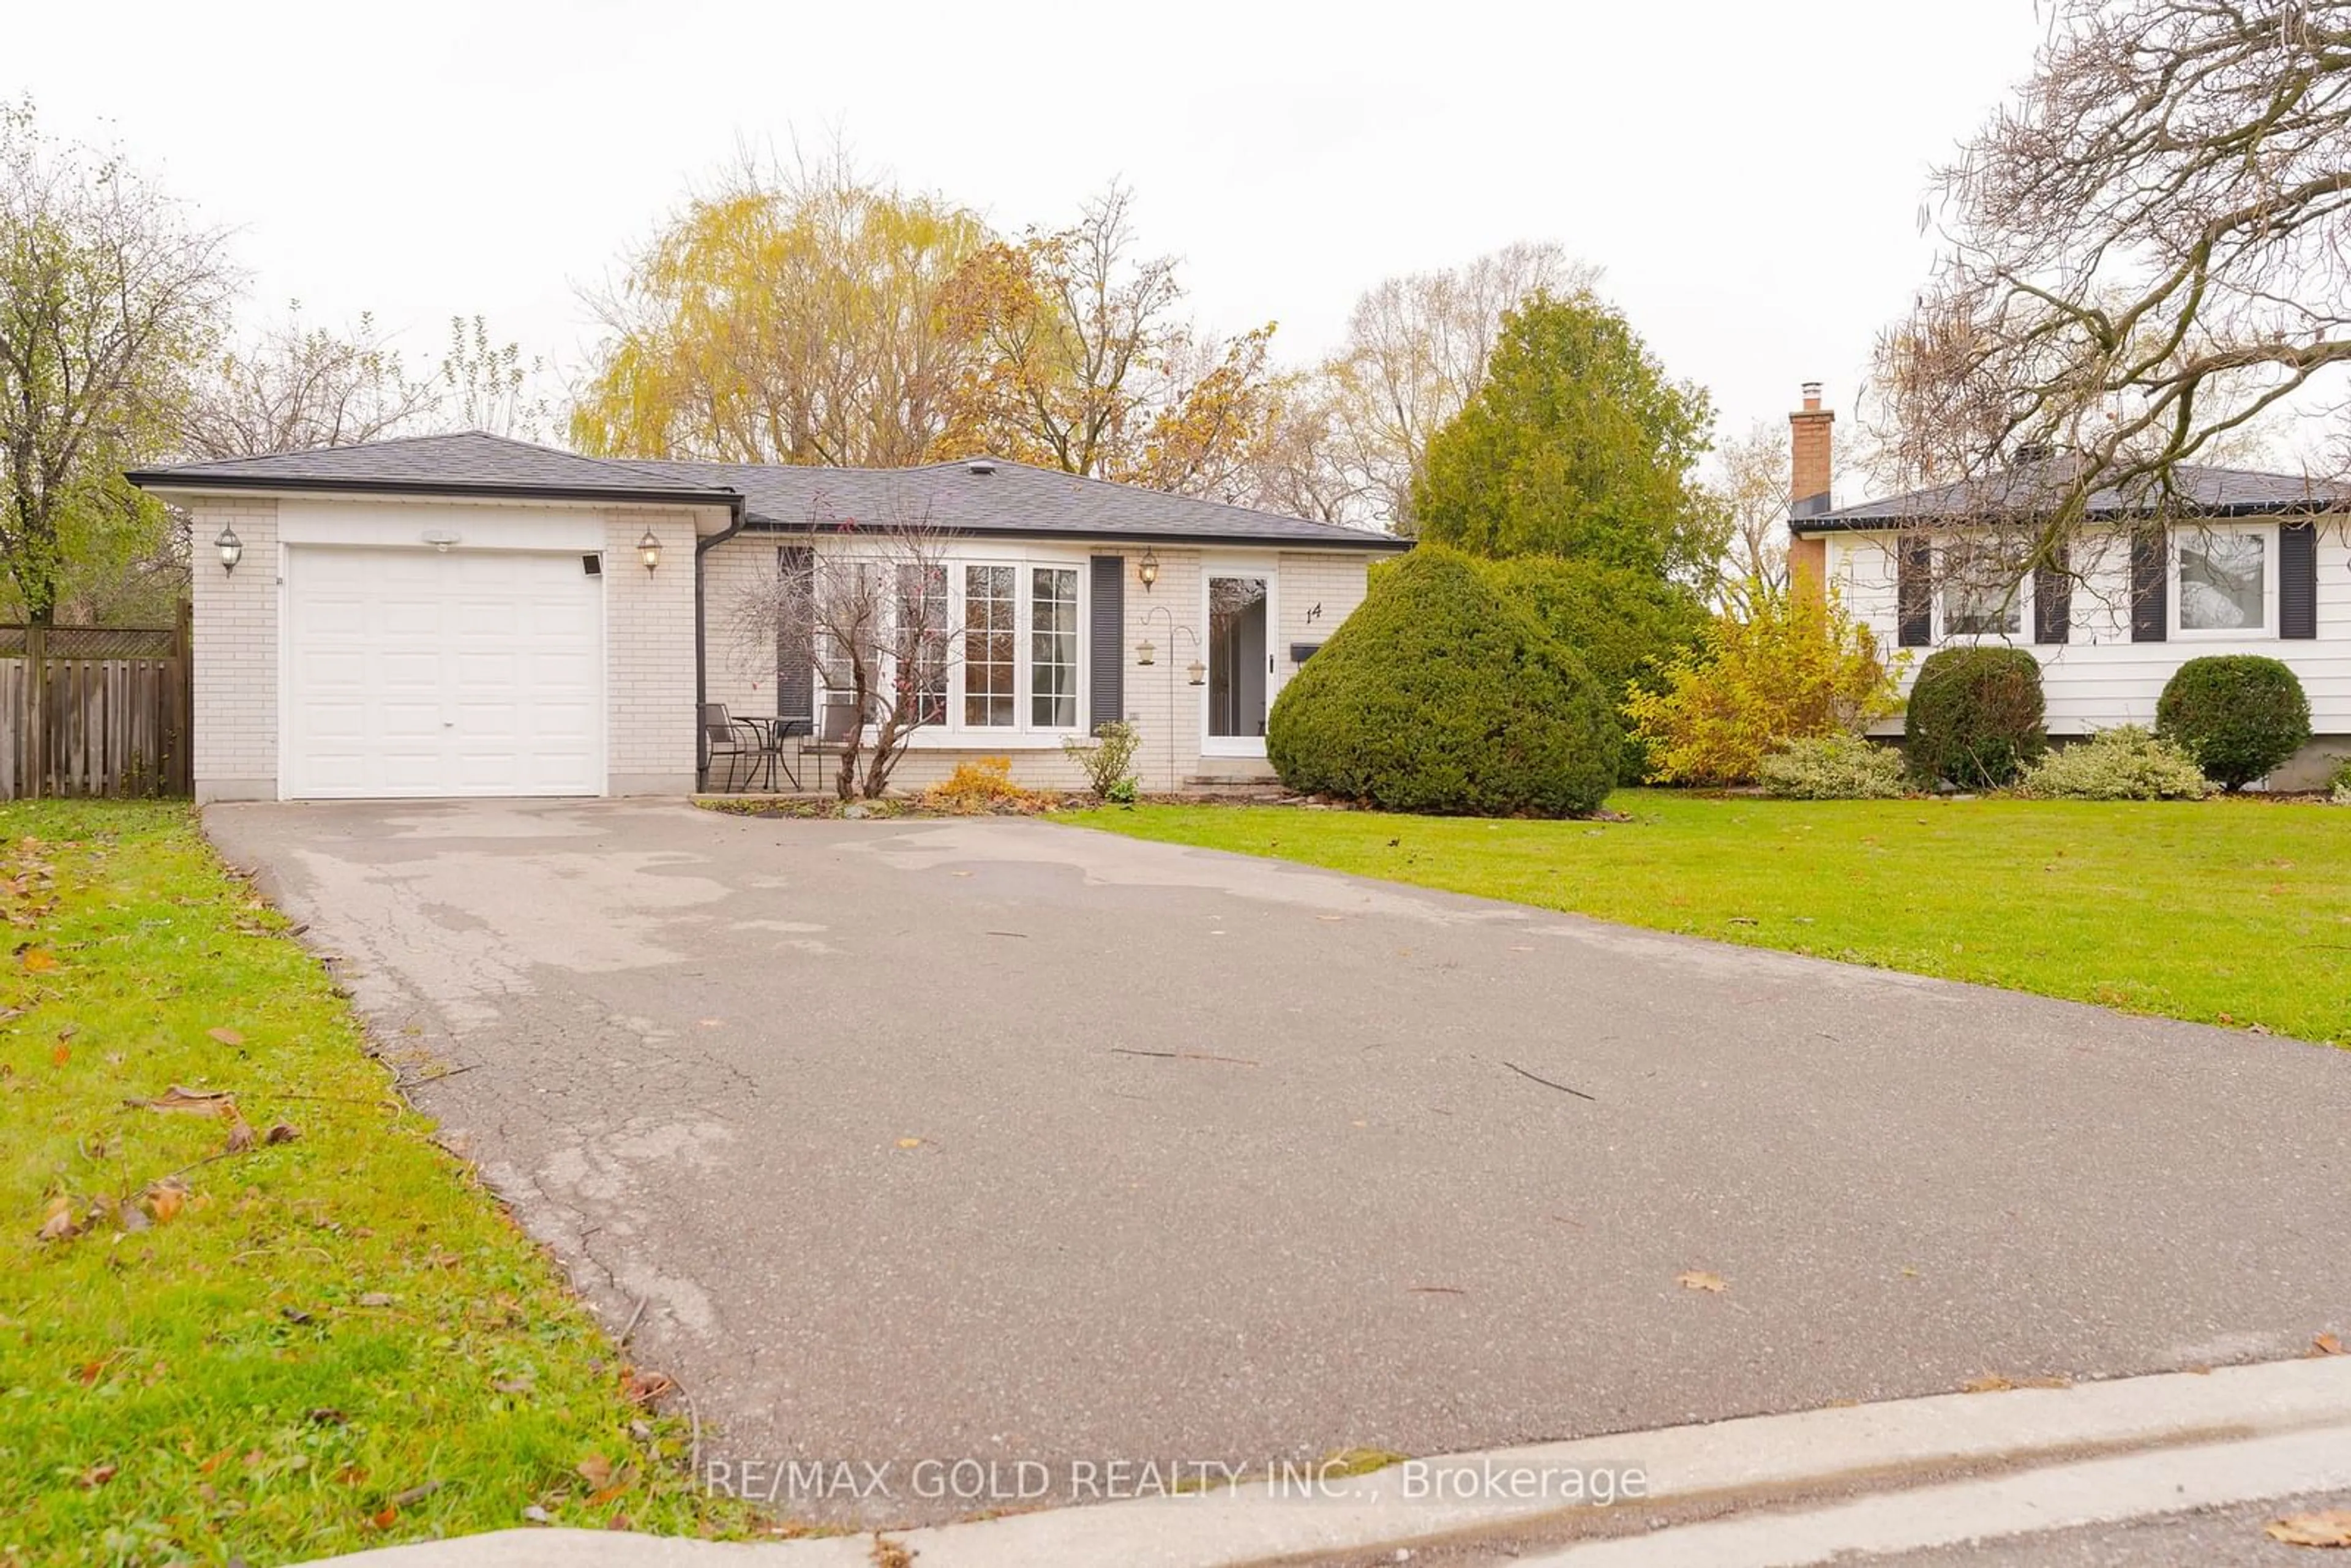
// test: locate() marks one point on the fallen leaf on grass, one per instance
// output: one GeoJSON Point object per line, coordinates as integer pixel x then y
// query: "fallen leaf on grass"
{"type": "Point", "coordinates": [280, 1133]}
{"type": "Point", "coordinates": [40, 960]}
{"type": "Point", "coordinates": [644, 1387]}
{"type": "Point", "coordinates": [2326, 1344]}
{"type": "Point", "coordinates": [95, 1475]}
{"type": "Point", "coordinates": [60, 1054]}
{"type": "Point", "coordinates": [2332, 1527]}
{"type": "Point", "coordinates": [130, 1216]}
{"type": "Point", "coordinates": [240, 1137]}
{"type": "Point", "coordinates": [61, 1224]}
{"type": "Point", "coordinates": [226, 1035]}
{"type": "Point", "coordinates": [165, 1200]}
{"type": "Point", "coordinates": [1699, 1279]}
{"type": "Point", "coordinates": [192, 1102]}
{"type": "Point", "coordinates": [595, 1470]}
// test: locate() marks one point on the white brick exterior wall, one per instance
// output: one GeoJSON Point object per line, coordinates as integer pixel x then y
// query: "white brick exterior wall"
{"type": "Point", "coordinates": [651, 742]}
{"type": "Point", "coordinates": [1159, 699]}
{"type": "Point", "coordinates": [235, 628]}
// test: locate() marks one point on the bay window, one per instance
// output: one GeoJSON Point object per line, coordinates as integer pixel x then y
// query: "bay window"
{"type": "Point", "coordinates": [1053, 647]}
{"type": "Point", "coordinates": [980, 653]}
{"type": "Point", "coordinates": [990, 645]}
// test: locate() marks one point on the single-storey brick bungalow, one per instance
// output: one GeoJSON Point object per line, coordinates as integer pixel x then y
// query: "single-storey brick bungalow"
{"type": "Point", "coordinates": [465, 615]}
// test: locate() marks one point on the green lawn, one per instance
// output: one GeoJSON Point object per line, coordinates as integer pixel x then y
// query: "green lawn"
{"type": "Point", "coordinates": [309, 1346]}
{"type": "Point", "coordinates": [2231, 910]}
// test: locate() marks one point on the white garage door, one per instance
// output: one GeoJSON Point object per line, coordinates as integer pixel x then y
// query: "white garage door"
{"type": "Point", "coordinates": [413, 672]}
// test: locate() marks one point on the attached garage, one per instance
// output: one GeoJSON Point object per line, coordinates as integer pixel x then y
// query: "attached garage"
{"type": "Point", "coordinates": [421, 672]}
{"type": "Point", "coordinates": [451, 616]}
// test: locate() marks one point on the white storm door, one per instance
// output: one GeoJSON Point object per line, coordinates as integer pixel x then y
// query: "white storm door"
{"type": "Point", "coordinates": [424, 672]}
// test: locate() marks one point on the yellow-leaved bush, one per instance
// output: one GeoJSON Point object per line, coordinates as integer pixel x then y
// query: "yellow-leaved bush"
{"type": "Point", "coordinates": [1789, 665]}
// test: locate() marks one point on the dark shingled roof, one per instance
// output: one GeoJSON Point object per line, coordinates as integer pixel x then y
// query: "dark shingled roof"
{"type": "Point", "coordinates": [2197, 490]}
{"type": "Point", "coordinates": [470, 464]}
{"type": "Point", "coordinates": [979, 495]}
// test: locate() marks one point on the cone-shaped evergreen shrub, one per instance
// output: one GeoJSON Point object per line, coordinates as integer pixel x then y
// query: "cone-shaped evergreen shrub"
{"type": "Point", "coordinates": [1441, 694]}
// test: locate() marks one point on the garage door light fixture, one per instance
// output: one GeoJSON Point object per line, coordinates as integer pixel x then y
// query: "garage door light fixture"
{"type": "Point", "coordinates": [231, 547]}
{"type": "Point", "coordinates": [649, 550]}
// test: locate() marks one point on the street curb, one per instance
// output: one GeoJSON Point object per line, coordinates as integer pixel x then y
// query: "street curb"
{"type": "Point", "coordinates": [1752, 1457]}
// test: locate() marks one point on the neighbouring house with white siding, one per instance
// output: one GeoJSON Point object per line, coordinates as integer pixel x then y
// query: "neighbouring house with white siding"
{"type": "Point", "coordinates": [468, 615]}
{"type": "Point", "coordinates": [2227, 562]}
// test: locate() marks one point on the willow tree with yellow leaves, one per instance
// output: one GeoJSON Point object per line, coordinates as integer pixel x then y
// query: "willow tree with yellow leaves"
{"type": "Point", "coordinates": [792, 314]}
{"type": "Point", "coordinates": [1079, 357]}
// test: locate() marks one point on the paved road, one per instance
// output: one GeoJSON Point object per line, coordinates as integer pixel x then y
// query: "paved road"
{"type": "Point", "coordinates": [1223, 1159]}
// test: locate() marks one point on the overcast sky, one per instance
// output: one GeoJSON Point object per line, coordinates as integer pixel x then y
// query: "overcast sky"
{"type": "Point", "coordinates": [1750, 175]}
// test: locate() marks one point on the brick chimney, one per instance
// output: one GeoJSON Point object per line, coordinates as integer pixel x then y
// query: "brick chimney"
{"type": "Point", "coordinates": [1808, 487]}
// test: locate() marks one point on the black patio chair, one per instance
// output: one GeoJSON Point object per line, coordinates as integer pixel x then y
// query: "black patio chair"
{"type": "Point", "coordinates": [732, 738]}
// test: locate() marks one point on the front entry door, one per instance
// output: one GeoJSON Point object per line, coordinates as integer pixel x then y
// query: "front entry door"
{"type": "Point", "coordinates": [1240, 662]}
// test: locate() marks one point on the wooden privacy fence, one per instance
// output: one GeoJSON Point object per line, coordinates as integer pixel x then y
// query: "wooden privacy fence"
{"type": "Point", "coordinates": [95, 710]}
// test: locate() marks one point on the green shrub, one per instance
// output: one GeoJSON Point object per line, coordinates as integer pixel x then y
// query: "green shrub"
{"type": "Point", "coordinates": [1975, 717]}
{"type": "Point", "coordinates": [1626, 626]}
{"type": "Point", "coordinates": [2339, 783]}
{"type": "Point", "coordinates": [2128, 762]}
{"type": "Point", "coordinates": [2239, 715]}
{"type": "Point", "coordinates": [1107, 759]}
{"type": "Point", "coordinates": [1440, 694]}
{"type": "Point", "coordinates": [1833, 766]}
{"type": "Point", "coordinates": [1785, 667]}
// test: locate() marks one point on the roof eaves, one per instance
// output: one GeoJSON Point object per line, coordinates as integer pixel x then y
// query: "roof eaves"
{"type": "Point", "coordinates": [1862, 520]}
{"type": "Point", "coordinates": [181, 479]}
{"type": "Point", "coordinates": [1350, 539]}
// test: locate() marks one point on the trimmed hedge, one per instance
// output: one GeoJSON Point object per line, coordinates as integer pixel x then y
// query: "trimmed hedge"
{"type": "Point", "coordinates": [1975, 717]}
{"type": "Point", "coordinates": [1626, 626]}
{"type": "Point", "coordinates": [1441, 694]}
{"type": "Point", "coordinates": [2124, 763]}
{"type": "Point", "coordinates": [2239, 715]}
{"type": "Point", "coordinates": [1833, 766]}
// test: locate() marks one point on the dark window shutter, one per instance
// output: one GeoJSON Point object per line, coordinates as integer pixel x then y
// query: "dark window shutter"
{"type": "Point", "coordinates": [1914, 591]}
{"type": "Point", "coordinates": [1106, 682]}
{"type": "Point", "coordinates": [2298, 580]}
{"type": "Point", "coordinates": [2150, 586]}
{"type": "Point", "coordinates": [795, 645]}
{"type": "Point", "coordinates": [2053, 599]}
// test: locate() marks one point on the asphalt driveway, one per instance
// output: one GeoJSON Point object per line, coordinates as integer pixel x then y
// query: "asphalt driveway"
{"type": "Point", "coordinates": [1001, 1140]}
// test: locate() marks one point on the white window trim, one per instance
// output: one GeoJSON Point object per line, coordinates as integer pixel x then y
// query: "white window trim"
{"type": "Point", "coordinates": [1021, 735]}
{"type": "Point", "coordinates": [2181, 533]}
{"type": "Point", "coordinates": [1944, 637]}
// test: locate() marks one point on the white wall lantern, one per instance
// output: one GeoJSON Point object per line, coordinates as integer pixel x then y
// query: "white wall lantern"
{"type": "Point", "coordinates": [231, 547]}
